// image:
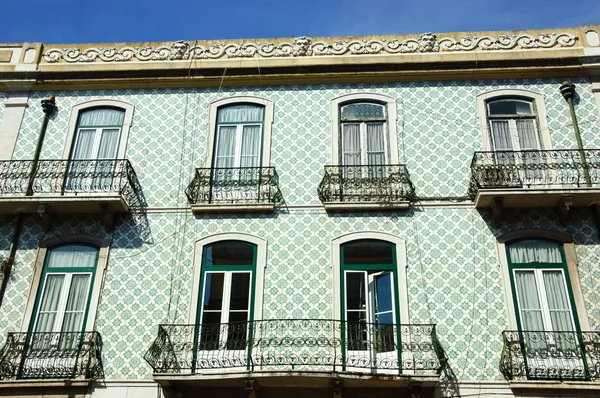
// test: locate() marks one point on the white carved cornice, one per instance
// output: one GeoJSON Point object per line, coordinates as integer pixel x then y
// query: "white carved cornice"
{"type": "Point", "coordinates": [305, 47]}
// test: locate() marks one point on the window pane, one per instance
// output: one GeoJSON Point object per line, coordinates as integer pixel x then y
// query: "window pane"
{"type": "Point", "coordinates": [225, 147]}
{"type": "Point", "coordinates": [558, 303]}
{"type": "Point", "coordinates": [250, 146]}
{"type": "Point", "coordinates": [76, 303]}
{"type": "Point", "coordinates": [85, 144]}
{"type": "Point", "coordinates": [109, 144]}
{"type": "Point", "coordinates": [527, 291]}
{"type": "Point", "coordinates": [527, 135]}
{"type": "Point", "coordinates": [49, 304]}
{"type": "Point", "coordinates": [368, 252]}
{"type": "Point", "coordinates": [240, 291]}
{"type": "Point", "coordinates": [351, 144]}
{"type": "Point", "coordinates": [375, 144]}
{"type": "Point", "coordinates": [363, 111]}
{"type": "Point", "coordinates": [101, 117]}
{"type": "Point", "coordinates": [534, 251]}
{"type": "Point", "coordinates": [383, 295]}
{"type": "Point", "coordinates": [240, 113]}
{"type": "Point", "coordinates": [510, 107]}
{"type": "Point", "coordinates": [213, 293]}
{"type": "Point", "coordinates": [501, 136]}
{"type": "Point", "coordinates": [72, 256]}
{"type": "Point", "coordinates": [229, 253]}
{"type": "Point", "coordinates": [355, 291]}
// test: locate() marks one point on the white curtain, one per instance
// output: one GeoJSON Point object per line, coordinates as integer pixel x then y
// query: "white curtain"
{"type": "Point", "coordinates": [49, 304]}
{"type": "Point", "coordinates": [225, 147]}
{"type": "Point", "coordinates": [240, 113]}
{"type": "Point", "coordinates": [535, 251]}
{"type": "Point", "coordinates": [375, 144]}
{"type": "Point", "coordinates": [250, 146]}
{"type": "Point", "coordinates": [527, 135]}
{"type": "Point", "coordinates": [72, 256]}
{"type": "Point", "coordinates": [558, 303]}
{"type": "Point", "coordinates": [501, 135]}
{"type": "Point", "coordinates": [85, 144]}
{"type": "Point", "coordinates": [76, 303]}
{"type": "Point", "coordinates": [351, 144]}
{"type": "Point", "coordinates": [108, 144]}
{"type": "Point", "coordinates": [531, 311]}
{"type": "Point", "coordinates": [101, 117]}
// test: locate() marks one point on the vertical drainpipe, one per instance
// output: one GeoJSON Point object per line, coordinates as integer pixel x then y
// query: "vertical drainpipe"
{"type": "Point", "coordinates": [48, 106]}
{"type": "Point", "coordinates": [568, 92]}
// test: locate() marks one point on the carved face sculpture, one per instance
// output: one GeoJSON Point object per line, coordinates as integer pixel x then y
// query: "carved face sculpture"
{"type": "Point", "coordinates": [302, 46]}
{"type": "Point", "coordinates": [428, 43]}
{"type": "Point", "coordinates": [178, 49]}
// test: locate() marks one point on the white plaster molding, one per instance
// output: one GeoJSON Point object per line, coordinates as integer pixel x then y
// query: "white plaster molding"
{"type": "Point", "coordinates": [304, 46]}
{"type": "Point", "coordinates": [214, 106]}
{"type": "Point", "coordinates": [101, 264]}
{"type": "Point", "coordinates": [100, 103]}
{"type": "Point", "coordinates": [14, 111]}
{"type": "Point", "coordinates": [261, 264]}
{"type": "Point", "coordinates": [401, 265]}
{"type": "Point", "coordinates": [539, 104]}
{"type": "Point", "coordinates": [570, 257]}
{"type": "Point", "coordinates": [392, 122]}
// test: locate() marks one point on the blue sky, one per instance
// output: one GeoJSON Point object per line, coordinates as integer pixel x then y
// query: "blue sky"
{"type": "Point", "coordinates": [84, 21]}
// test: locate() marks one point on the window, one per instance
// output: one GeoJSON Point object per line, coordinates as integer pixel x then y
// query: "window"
{"type": "Point", "coordinates": [58, 326]}
{"type": "Point", "coordinates": [512, 123]}
{"type": "Point", "coordinates": [363, 134]}
{"type": "Point", "coordinates": [227, 280]}
{"type": "Point", "coordinates": [227, 296]}
{"type": "Point", "coordinates": [363, 130]}
{"type": "Point", "coordinates": [513, 120]}
{"type": "Point", "coordinates": [545, 305]}
{"type": "Point", "coordinates": [98, 132]}
{"type": "Point", "coordinates": [373, 298]}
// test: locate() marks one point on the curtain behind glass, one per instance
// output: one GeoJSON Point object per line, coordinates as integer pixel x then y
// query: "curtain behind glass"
{"type": "Point", "coordinates": [49, 304]}
{"type": "Point", "coordinates": [109, 143]}
{"type": "Point", "coordinates": [85, 144]}
{"type": "Point", "coordinates": [76, 303]}
{"type": "Point", "coordinates": [529, 302]}
{"type": "Point", "coordinates": [558, 303]}
{"type": "Point", "coordinates": [225, 147]}
{"type": "Point", "coordinates": [250, 146]}
{"type": "Point", "coordinates": [351, 144]}
{"type": "Point", "coordinates": [535, 251]}
{"type": "Point", "coordinates": [375, 144]}
{"type": "Point", "coordinates": [528, 140]}
{"type": "Point", "coordinates": [101, 117]}
{"type": "Point", "coordinates": [240, 113]}
{"type": "Point", "coordinates": [72, 256]}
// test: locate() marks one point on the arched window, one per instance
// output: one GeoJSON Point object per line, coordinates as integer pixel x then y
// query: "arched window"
{"type": "Point", "coordinates": [239, 136]}
{"type": "Point", "coordinates": [370, 312]}
{"type": "Point", "coordinates": [63, 297]}
{"type": "Point", "coordinates": [98, 134]}
{"type": "Point", "coordinates": [512, 124]}
{"type": "Point", "coordinates": [226, 295]}
{"type": "Point", "coordinates": [363, 134]}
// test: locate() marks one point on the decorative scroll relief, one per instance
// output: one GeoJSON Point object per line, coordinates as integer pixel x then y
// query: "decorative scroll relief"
{"type": "Point", "coordinates": [304, 46]}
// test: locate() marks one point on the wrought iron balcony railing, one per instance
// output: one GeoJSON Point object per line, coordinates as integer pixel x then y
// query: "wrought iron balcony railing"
{"type": "Point", "coordinates": [65, 355]}
{"type": "Point", "coordinates": [297, 344]}
{"type": "Point", "coordinates": [241, 185]}
{"type": "Point", "coordinates": [70, 177]}
{"type": "Point", "coordinates": [539, 355]}
{"type": "Point", "coordinates": [375, 183]}
{"type": "Point", "coordinates": [529, 169]}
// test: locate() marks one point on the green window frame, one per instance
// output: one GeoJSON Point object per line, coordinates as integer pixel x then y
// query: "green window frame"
{"type": "Point", "coordinates": [374, 277]}
{"type": "Point", "coordinates": [226, 292]}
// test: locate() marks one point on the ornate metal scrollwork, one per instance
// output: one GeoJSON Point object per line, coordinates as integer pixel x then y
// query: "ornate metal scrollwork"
{"type": "Point", "coordinates": [52, 355]}
{"type": "Point", "coordinates": [242, 185]}
{"type": "Point", "coordinates": [71, 177]}
{"type": "Point", "coordinates": [526, 169]}
{"type": "Point", "coordinates": [375, 183]}
{"type": "Point", "coordinates": [541, 355]}
{"type": "Point", "coordinates": [316, 344]}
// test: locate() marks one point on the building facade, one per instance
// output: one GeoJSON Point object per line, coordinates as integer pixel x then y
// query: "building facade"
{"type": "Point", "coordinates": [379, 216]}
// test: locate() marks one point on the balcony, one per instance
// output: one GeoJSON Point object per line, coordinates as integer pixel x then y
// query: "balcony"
{"type": "Point", "coordinates": [68, 186]}
{"type": "Point", "coordinates": [234, 189]}
{"type": "Point", "coordinates": [560, 178]}
{"type": "Point", "coordinates": [295, 348]}
{"type": "Point", "coordinates": [375, 187]}
{"type": "Point", "coordinates": [51, 356]}
{"type": "Point", "coordinates": [550, 356]}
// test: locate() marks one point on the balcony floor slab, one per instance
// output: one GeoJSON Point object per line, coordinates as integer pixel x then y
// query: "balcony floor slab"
{"type": "Point", "coordinates": [84, 203]}
{"type": "Point", "coordinates": [537, 197]}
